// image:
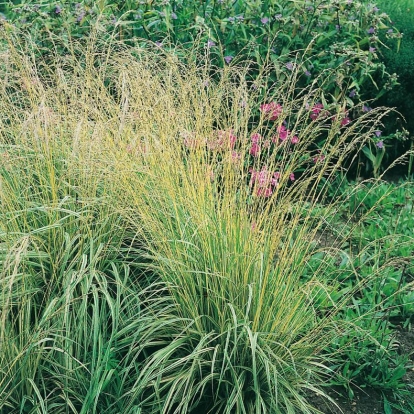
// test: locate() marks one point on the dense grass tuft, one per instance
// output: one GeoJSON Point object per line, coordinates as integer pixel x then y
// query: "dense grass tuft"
{"type": "Point", "coordinates": [142, 270]}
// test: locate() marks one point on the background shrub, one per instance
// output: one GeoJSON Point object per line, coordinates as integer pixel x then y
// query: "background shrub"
{"type": "Point", "coordinates": [340, 35]}
{"type": "Point", "coordinates": [399, 59]}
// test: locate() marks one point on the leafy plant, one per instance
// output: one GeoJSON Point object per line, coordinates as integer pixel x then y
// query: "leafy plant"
{"type": "Point", "coordinates": [151, 260]}
{"type": "Point", "coordinates": [342, 36]}
{"type": "Point", "coordinates": [398, 58]}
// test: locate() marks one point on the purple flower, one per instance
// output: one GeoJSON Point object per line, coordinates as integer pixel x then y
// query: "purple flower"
{"type": "Point", "coordinates": [158, 44]}
{"type": "Point", "coordinates": [371, 49]}
{"type": "Point", "coordinates": [278, 17]}
{"type": "Point", "coordinates": [380, 144]}
{"type": "Point", "coordinates": [352, 93]}
{"type": "Point", "coordinates": [371, 30]}
{"type": "Point", "coordinates": [81, 15]}
{"type": "Point", "coordinates": [289, 65]}
{"type": "Point", "coordinates": [264, 20]}
{"type": "Point", "coordinates": [210, 43]}
{"type": "Point", "coordinates": [378, 133]}
{"type": "Point", "coordinates": [231, 19]}
{"type": "Point", "coordinates": [228, 59]}
{"type": "Point", "coordinates": [389, 31]}
{"type": "Point", "coordinates": [240, 18]}
{"type": "Point", "coordinates": [173, 16]}
{"type": "Point", "coordinates": [366, 108]}
{"type": "Point", "coordinates": [307, 73]}
{"type": "Point", "coordinates": [375, 9]}
{"type": "Point", "coordinates": [58, 10]}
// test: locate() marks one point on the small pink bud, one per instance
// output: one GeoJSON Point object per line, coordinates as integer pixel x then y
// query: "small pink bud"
{"type": "Point", "coordinates": [256, 138]}
{"type": "Point", "coordinates": [255, 149]}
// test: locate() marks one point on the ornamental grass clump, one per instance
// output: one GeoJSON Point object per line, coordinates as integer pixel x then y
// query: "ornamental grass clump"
{"type": "Point", "coordinates": [229, 231]}
{"type": "Point", "coordinates": [70, 306]}
{"type": "Point", "coordinates": [151, 261]}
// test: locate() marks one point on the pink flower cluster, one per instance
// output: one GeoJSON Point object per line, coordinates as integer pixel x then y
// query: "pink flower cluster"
{"type": "Point", "coordinates": [318, 111]}
{"type": "Point", "coordinates": [222, 140]}
{"type": "Point", "coordinates": [282, 133]}
{"type": "Point", "coordinates": [264, 181]}
{"type": "Point", "coordinates": [319, 158]}
{"type": "Point", "coordinates": [255, 148]}
{"type": "Point", "coordinates": [345, 119]}
{"type": "Point", "coordinates": [271, 110]}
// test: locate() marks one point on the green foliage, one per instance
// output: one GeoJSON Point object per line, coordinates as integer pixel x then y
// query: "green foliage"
{"type": "Point", "coordinates": [341, 36]}
{"type": "Point", "coordinates": [69, 298]}
{"type": "Point", "coordinates": [376, 265]}
{"type": "Point", "coordinates": [399, 60]}
{"type": "Point", "coordinates": [150, 262]}
{"type": "Point", "coordinates": [367, 354]}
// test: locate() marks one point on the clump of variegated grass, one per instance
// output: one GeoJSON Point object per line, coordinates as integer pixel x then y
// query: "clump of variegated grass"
{"type": "Point", "coordinates": [70, 305]}
{"type": "Point", "coordinates": [247, 337]}
{"type": "Point", "coordinates": [123, 147]}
